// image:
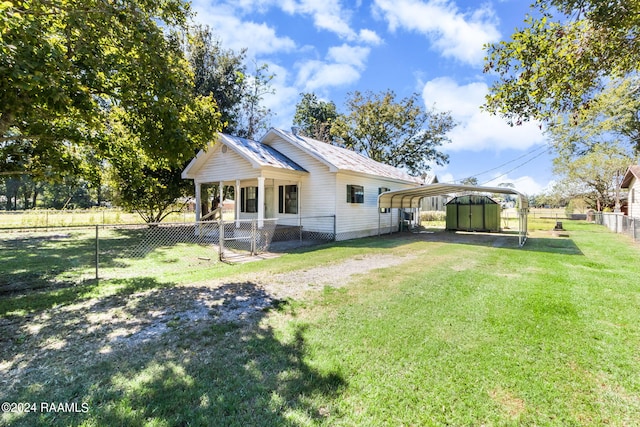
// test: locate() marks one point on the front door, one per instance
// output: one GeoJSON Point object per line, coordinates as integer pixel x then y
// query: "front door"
{"type": "Point", "coordinates": [269, 203]}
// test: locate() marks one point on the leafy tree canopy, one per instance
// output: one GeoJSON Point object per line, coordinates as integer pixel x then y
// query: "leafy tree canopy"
{"type": "Point", "coordinates": [591, 144]}
{"type": "Point", "coordinates": [315, 117]}
{"type": "Point", "coordinates": [218, 72]}
{"type": "Point", "coordinates": [66, 66]}
{"type": "Point", "coordinates": [562, 58]}
{"type": "Point", "coordinates": [399, 133]}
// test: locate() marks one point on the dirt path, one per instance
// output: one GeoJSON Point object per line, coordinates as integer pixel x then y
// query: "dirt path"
{"type": "Point", "coordinates": [95, 328]}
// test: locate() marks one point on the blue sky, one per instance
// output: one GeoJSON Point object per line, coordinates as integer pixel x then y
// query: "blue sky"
{"type": "Point", "coordinates": [429, 47]}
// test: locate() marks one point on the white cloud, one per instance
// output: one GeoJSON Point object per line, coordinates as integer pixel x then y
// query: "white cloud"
{"type": "Point", "coordinates": [370, 37]}
{"type": "Point", "coordinates": [524, 184]}
{"type": "Point", "coordinates": [314, 75]}
{"type": "Point", "coordinates": [327, 15]}
{"type": "Point", "coordinates": [351, 55]}
{"type": "Point", "coordinates": [477, 130]}
{"type": "Point", "coordinates": [343, 66]}
{"type": "Point", "coordinates": [453, 33]}
{"type": "Point", "coordinates": [237, 34]}
{"type": "Point", "coordinates": [284, 99]}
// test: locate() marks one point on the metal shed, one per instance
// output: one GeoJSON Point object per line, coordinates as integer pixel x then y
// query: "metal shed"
{"type": "Point", "coordinates": [473, 212]}
{"type": "Point", "coordinates": [411, 198]}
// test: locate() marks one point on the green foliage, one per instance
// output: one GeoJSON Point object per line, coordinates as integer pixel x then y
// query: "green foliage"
{"type": "Point", "coordinates": [591, 145]}
{"type": "Point", "coordinates": [67, 67]}
{"type": "Point", "coordinates": [556, 65]}
{"type": "Point", "coordinates": [469, 181]}
{"type": "Point", "coordinates": [315, 117]}
{"type": "Point", "coordinates": [399, 133]}
{"type": "Point", "coordinates": [219, 73]}
{"type": "Point", "coordinates": [254, 117]}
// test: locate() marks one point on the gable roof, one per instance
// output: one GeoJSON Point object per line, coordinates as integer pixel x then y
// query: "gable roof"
{"type": "Point", "coordinates": [256, 153]}
{"type": "Point", "coordinates": [632, 172]}
{"type": "Point", "coordinates": [341, 159]}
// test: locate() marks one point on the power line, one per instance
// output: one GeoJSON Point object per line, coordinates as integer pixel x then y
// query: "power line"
{"type": "Point", "coordinates": [520, 165]}
{"type": "Point", "coordinates": [512, 160]}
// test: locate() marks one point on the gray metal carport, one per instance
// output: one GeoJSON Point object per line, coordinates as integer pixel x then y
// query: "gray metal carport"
{"type": "Point", "coordinates": [412, 198]}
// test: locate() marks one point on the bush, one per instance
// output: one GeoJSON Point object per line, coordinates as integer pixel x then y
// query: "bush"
{"type": "Point", "coordinates": [433, 216]}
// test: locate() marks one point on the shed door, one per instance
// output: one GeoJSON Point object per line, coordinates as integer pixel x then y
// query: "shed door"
{"type": "Point", "coordinates": [476, 222]}
{"type": "Point", "coordinates": [464, 217]}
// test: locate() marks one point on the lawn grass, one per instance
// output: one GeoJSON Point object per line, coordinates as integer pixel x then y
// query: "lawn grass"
{"type": "Point", "coordinates": [513, 337]}
{"type": "Point", "coordinates": [467, 334]}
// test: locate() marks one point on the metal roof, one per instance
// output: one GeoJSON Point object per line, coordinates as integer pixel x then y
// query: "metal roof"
{"type": "Point", "coordinates": [256, 153]}
{"type": "Point", "coordinates": [341, 159]}
{"type": "Point", "coordinates": [410, 198]}
{"type": "Point", "coordinates": [260, 154]}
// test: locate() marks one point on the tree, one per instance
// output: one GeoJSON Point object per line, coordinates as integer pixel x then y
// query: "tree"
{"type": "Point", "coordinates": [399, 133]}
{"type": "Point", "coordinates": [600, 172]}
{"type": "Point", "coordinates": [153, 193]}
{"type": "Point", "coordinates": [146, 184]}
{"type": "Point", "coordinates": [219, 73]}
{"type": "Point", "coordinates": [65, 66]}
{"type": "Point", "coordinates": [554, 66]}
{"type": "Point", "coordinates": [254, 117]}
{"type": "Point", "coordinates": [469, 181]}
{"type": "Point", "coordinates": [591, 144]}
{"type": "Point", "coordinates": [315, 117]}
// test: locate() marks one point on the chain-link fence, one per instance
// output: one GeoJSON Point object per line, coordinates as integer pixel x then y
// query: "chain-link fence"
{"type": "Point", "coordinates": [39, 257]}
{"type": "Point", "coordinates": [253, 236]}
{"type": "Point", "coordinates": [619, 223]}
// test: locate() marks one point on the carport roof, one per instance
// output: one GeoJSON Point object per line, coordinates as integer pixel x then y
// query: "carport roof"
{"type": "Point", "coordinates": [410, 198]}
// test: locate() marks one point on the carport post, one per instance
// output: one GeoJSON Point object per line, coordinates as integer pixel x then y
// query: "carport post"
{"type": "Point", "coordinates": [97, 252]}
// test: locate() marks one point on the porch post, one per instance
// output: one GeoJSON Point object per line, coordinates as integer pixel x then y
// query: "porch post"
{"type": "Point", "coordinates": [221, 196]}
{"type": "Point", "coordinates": [237, 203]}
{"type": "Point", "coordinates": [261, 201]}
{"type": "Point", "coordinates": [299, 195]}
{"type": "Point", "coordinates": [198, 197]}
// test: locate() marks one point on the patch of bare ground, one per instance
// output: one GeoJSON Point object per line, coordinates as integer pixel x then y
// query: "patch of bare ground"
{"type": "Point", "coordinates": [37, 346]}
{"type": "Point", "coordinates": [511, 405]}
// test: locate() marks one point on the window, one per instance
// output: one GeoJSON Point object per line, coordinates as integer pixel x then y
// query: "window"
{"type": "Point", "coordinates": [249, 199]}
{"type": "Point", "coordinates": [355, 194]}
{"type": "Point", "coordinates": [380, 191]}
{"type": "Point", "coordinates": [288, 199]}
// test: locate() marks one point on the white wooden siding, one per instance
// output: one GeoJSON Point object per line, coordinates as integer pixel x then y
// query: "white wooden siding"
{"type": "Point", "coordinates": [315, 192]}
{"type": "Point", "coordinates": [361, 219]}
{"type": "Point", "coordinates": [322, 193]}
{"type": "Point", "coordinates": [634, 199]}
{"type": "Point", "coordinates": [227, 166]}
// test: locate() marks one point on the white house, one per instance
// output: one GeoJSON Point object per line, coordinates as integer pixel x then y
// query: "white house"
{"type": "Point", "coordinates": [301, 181]}
{"type": "Point", "coordinates": [631, 181]}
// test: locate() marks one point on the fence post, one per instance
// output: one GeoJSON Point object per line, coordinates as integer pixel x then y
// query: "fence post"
{"type": "Point", "coordinates": [220, 239]}
{"type": "Point", "coordinates": [254, 236]}
{"type": "Point", "coordinates": [97, 252]}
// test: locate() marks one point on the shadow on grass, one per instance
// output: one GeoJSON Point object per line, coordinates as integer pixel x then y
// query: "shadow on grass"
{"type": "Point", "coordinates": [505, 239]}
{"type": "Point", "coordinates": [65, 258]}
{"type": "Point", "coordinates": [171, 356]}
{"type": "Point", "coordinates": [70, 293]}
